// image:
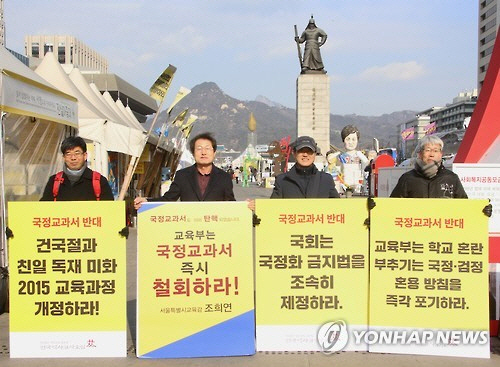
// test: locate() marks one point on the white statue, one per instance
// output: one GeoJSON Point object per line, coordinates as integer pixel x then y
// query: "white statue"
{"type": "Point", "coordinates": [352, 162]}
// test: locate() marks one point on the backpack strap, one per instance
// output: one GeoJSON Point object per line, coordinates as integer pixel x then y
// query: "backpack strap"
{"type": "Point", "coordinates": [58, 180]}
{"type": "Point", "coordinates": [96, 183]}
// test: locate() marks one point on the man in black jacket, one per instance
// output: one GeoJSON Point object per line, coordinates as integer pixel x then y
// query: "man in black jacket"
{"type": "Point", "coordinates": [429, 178]}
{"type": "Point", "coordinates": [202, 181]}
{"type": "Point", "coordinates": [77, 182]}
{"type": "Point", "coordinates": [304, 180]}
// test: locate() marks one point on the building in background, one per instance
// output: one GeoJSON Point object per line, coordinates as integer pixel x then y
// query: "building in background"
{"type": "Point", "coordinates": [411, 131]}
{"type": "Point", "coordinates": [452, 120]}
{"type": "Point", "coordinates": [449, 121]}
{"type": "Point", "coordinates": [2, 26]}
{"type": "Point", "coordinates": [456, 114]}
{"type": "Point", "coordinates": [489, 19]}
{"type": "Point", "coordinates": [68, 50]}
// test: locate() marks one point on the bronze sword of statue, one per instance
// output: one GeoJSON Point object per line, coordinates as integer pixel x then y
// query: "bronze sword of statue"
{"type": "Point", "coordinates": [298, 45]}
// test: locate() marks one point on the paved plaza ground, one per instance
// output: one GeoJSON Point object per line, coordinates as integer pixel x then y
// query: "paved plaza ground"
{"type": "Point", "coordinates": [285, 359]}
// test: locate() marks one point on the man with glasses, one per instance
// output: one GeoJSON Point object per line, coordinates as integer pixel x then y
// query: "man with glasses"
{"type": "Point", "coordinates": [429, 178]}
{"type": "Point", "coordinates": [304, 180]}
{"type": "Point", "coordinates": [76, 182]}
{"type": "Point", "coordinates": [202, 181]}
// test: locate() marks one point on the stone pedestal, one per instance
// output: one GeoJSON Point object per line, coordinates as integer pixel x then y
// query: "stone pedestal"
{"type": "Point", "coordinates": [313, 109]}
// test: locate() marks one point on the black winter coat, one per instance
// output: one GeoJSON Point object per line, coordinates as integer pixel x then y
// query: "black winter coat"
{"type": "Point", "coordinates": [445, 184]}
{"type": "Point", "coordinates": [82, 190]}
{"type": "Point", "coordinates": [185, 186]}
{"type": "Point", "coordinates": [290, 185]}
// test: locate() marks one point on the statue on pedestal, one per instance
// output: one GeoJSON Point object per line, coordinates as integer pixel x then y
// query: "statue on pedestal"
{"type": "Point", "coordinates": [314, 38]}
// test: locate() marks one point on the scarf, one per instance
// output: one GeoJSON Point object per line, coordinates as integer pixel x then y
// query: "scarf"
{"type": "Point", "coordinates": [427, 170]}
{"type": "Point", "coordinates": [73, 175]}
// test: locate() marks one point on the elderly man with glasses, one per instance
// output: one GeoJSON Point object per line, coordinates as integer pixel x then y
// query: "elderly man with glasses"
{"type": "Point", "coordinates": [429, 178]}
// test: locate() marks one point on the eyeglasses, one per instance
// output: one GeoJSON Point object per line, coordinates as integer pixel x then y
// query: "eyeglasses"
{"type": "Point", "coordinates": [207, 148]}
{"type": "Point", "coordinates": [435, 151]}
{"type": "Point", "coordinates": [73, 154]}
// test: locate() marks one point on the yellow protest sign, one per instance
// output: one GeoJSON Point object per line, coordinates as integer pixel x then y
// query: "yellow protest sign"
{"type": "Point", "coordinates": [195, 280]}
{"type": "Point", "coordinates": [311, 269]}
{"type": "Point", "coordinates": [67, 279]}
{"type": "Point", "coordinates": [429, 277]}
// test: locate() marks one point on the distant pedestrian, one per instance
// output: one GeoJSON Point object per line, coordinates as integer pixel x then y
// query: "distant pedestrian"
{"type": "Point", "coordinates": [237, 173]}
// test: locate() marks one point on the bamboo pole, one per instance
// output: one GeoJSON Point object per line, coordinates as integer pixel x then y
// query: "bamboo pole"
{"type": "Point", "coordinates": [134, 161]}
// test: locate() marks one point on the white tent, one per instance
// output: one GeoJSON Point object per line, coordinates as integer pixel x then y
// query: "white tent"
{"type": "Point", "coordinates": [122, 132]}
{"type": "Point", "coordinates": [137, 138]}
{"type": "Point", "coordinates": [119, 135]}
{"type": "Point", "coordinates": [23, 92]}
{"type": "Point", "coordinates": [90, 120]}
{"type": "Point", "coordinates": [186, 159]}
{"type": "Point", "coordinates": [131, 118]}
{"type": "Point", "coordinates": [34, 117]}
{"type": "Point", "coordinates": [248, 154]}
{"type": "Point", "coordinates": [81, 83]}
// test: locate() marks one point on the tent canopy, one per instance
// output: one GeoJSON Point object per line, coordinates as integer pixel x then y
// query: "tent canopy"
{"type": "Point", "coordinates": [114, 132]}
{"type": "Point", "coordinates": [118, 133]}
{"type": "Point", "coordinates": [88, 114]}
{"type": "Point", "coordinates": [36, 119]}
{"type": "Point", "coordinates": [23, 92]}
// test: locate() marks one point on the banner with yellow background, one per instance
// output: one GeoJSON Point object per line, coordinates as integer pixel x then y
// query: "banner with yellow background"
{"type": "Point", "coordinates": [67, 265]}
{"type": "Point", "coordinates": [429, 277]}
{"type": "Point", "coordinates": [195, 280]}
{"type": "Point", "coordinates": [311, 269]}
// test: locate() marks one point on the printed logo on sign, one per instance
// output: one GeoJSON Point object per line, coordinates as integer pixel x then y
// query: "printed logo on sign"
{"type": "Point", "coordinates": [332, 336]}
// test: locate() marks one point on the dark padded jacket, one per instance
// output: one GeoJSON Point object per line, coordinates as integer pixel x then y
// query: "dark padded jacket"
{"type": "Point", "coordinates": [81, 190]}
{"type": "Point", "coordinates": [290, 185]}
{"type": "Point", "coordinates": [445, 184]}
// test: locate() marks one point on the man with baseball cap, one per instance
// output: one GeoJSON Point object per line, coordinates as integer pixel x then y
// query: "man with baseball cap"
{"type": "Point", "coordinates": [304, 180]}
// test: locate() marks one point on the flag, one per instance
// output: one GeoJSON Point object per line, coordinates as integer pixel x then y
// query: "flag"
{"type": "Point", "coordinates": [183, 92]}
{"type": "Point", "coordinates": [158, 132]}
{"type": "Point", "coordinates": [188, 126]}
{"type": "Point", "coordinates": [187, 131]}
{"type": "Point", "coordinates": [192, 118]}
{"type": "Point", "coordinates": [179, 119]}
{"type": "Point", "coordinates": [430, 129]}
{"type": "Point", "coordinates": [408, 133]}
{"type": "Point", "coordinates": [160, 87]}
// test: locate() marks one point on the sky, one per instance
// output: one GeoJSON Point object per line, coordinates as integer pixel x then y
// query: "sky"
{"type": "Point", "coordinates": [381, 56]}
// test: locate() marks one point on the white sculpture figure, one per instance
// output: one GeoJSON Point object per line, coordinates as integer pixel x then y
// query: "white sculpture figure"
{"type": "Point", "coordinates": [352, 162]}
{"type": "Point", "coordinates": [332, 167]}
